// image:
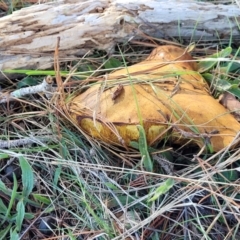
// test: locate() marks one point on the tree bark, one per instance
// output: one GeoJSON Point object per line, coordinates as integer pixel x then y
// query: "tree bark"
{"type": "Point", "coordinates": [28, 36]}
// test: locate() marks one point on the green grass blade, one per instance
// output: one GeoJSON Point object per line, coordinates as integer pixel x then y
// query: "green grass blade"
{"type": "Point", "coordinates": [162, 189]}
{"type": "Point", "coordinates": [231, 62]}
{"type": "Point", "coordinates": [27, 176]}
{"type": "Point", "coordinates": [14, 235]}
{"type": "Point", "coordinates": [35, 72]}
{"type": "Point", "coordinates": [4, 232]}
{"type": "Point", "coordinates": [4, 155]}
{"type": "Point", "coordinates": [3, 208]}
{"type": "Point", "coordinates": [13, 197]}
{"type": "Point", "coordinates": [41, 199]}
{"type": "Point", "coordinates": [57, 175]}
{"type": "Point", "coordinates": [143, 147]}
{"type": "Point", "coordinates": [17, 196]}
{"type": "Point", "coordinates": [204, 66]}
{"type": "Point", "coordinates": [20, 214]}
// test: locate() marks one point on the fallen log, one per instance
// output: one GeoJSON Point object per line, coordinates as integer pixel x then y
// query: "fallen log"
{"type": "Point", "coordinates": [28, 36]}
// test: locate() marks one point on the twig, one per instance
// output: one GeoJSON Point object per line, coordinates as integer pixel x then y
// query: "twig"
{"type": "Point", "coordinates": [45, 86]}
{"type": "Point", "coordinates": [25, 141]}
{"type": "Point", "coordinates": [205, 135]}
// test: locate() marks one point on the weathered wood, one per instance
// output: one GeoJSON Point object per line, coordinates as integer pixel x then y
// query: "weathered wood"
{"type": "Point", "coordinates": [28, 36]}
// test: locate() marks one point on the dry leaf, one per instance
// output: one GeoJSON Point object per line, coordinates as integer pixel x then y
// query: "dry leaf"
{"type": "Point", "coordinates": [230, 102]}
{"type": "Point", "coordinates": [165, 93]}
